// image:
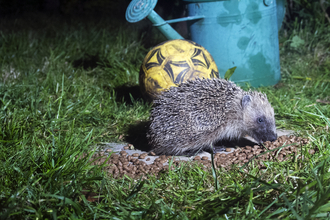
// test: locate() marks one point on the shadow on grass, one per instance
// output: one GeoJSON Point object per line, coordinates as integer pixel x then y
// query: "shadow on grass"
{"type": "Point", "coordinates": [87, 62]}
{"type": "Point", "coordinates": [136, 135]}
{"type": "Point", "coordinates": [128, 93]}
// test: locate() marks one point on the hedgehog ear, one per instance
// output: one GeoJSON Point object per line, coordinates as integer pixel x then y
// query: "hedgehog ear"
{"type": "Point", "coordinates": [246, 100]}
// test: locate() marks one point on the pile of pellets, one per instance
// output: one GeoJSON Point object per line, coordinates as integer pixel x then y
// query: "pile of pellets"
{"type": "Point", "coordinates": [123, 164]}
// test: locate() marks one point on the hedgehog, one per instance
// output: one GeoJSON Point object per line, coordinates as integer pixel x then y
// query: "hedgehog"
{"type": "Point", "coordinates": [193, 116]}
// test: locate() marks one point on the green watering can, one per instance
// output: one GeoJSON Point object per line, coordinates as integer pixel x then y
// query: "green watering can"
{"type": "Point", "coordinates": [241, 33]}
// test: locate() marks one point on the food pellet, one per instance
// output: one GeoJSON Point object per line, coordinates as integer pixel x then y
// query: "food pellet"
{"type": "Point", "coordinates": [197, 158]}
{"type": "Point", "coordinates": [205, 158]}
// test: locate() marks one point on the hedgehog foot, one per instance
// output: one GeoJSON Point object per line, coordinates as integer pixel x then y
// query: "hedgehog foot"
{"type": "Point", "coordinates": [217, 149]}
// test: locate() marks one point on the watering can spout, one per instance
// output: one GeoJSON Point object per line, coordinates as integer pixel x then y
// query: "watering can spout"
{"type": "Point", "coordinates": [140, 9]}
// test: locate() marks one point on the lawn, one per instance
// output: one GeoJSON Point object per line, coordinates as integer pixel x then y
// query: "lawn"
{"type": "Point", "coordinates": [68, 85]}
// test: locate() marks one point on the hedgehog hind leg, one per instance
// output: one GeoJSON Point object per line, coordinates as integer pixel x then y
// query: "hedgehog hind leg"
{"type": "Point", "coordinates": [190, 153]}
{"type": "Point", "coordinates": [171, 152]}
{"type": "Point", "coordinates": [217, 149]}
{"type": "Point", "coordinates": [214, 148]}
{"type": "Point", "coordinates": [179, 151]}
{"type": "Point", "coordinates": [196, 151]}
{"type": "Point", "coordinates": [165, 151]}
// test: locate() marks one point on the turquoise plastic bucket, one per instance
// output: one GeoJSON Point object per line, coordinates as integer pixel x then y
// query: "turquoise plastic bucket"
{"type": "Point", "coordinates": [241, 33]}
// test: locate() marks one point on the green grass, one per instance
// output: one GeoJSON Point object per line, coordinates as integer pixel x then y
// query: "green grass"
{"type": "Point", "coordinates": [59, 98]}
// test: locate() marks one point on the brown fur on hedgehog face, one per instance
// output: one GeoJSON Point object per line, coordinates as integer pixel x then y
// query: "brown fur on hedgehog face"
{"type": "Point", "coordinates": [258, 117]}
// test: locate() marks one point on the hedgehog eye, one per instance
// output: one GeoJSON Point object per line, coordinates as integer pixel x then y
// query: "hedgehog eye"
{"type": "Point", "coordinates": [260, 120]}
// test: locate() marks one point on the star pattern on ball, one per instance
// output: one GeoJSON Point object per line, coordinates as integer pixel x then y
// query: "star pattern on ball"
{"type": "Point", "coordinates": [199, 59]}
{"type": "Point", "coordinates": [214, 74]}
{"type": "Point", "coordinates": [180, 67]}
{"type": "Point", "coordinates": [155, 59]}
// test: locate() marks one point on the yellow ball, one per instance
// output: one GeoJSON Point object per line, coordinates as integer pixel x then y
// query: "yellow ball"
{"type": "Point", "coordinates": [173, 62]}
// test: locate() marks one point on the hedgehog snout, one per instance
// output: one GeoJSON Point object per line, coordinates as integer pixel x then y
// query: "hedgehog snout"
{"type": "Point", "coordinates": [273, 137]}
{"type": "Point", "coordinates": [264, 136]}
